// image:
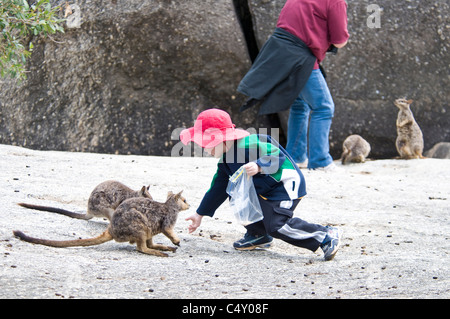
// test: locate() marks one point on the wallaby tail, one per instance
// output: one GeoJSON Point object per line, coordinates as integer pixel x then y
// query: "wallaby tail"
{"type": "Point", "coordinates": [56, 210]}
{"type": "Point", "coordinates": [103, 238]}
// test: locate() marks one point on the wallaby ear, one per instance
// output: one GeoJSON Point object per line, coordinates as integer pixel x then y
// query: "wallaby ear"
{"type": "Point", "coordinates": [169, 194]}
{"type": "Point", "coordinates": [143, 190]}
{"type": "Point", "coordinates": [176, 196]}
{"type": "Point", "coordinates": [148, 187]}
{"type": "Point", "coordinates": [409, 101]}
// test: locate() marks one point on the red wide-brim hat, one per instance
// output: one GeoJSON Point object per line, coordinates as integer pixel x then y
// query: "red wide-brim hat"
{"type": "Point", "coordinates": [211, 128]}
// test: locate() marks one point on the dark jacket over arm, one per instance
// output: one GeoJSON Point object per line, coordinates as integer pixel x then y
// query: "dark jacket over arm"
{"type": "Point", "coordinates": [279, 73]}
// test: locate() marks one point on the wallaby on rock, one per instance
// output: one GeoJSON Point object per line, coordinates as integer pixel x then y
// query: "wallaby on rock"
{"type": "Point", "coordinates": [409, 141]}
{"type": "Point", "coordinates": [355, 149]}
{"type": "Point", "coordinates": [136, 220]}
{"type": "Point", "coordinates": [103, 201]}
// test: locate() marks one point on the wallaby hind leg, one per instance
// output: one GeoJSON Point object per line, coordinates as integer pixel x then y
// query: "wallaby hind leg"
{"type": "Point", "coordinates": [150, 244]}
{"type": "Point", "coordinates": [142, 247]}
{"type": "Point", "coordinates": [100, 212]}
{"type": "Point", "coordinates": [418, 153]}
{"type": "Point", "coordinates": [360, 159]}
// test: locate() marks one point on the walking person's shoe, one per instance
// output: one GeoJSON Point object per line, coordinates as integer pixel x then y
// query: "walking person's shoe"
{"type": "Point", "coordinates": [250, 242]}
{"type": "Point", "coordinates": [331, 243]}
{"type": "Point", "coordinates": [329, 168]}
{"type": "Point", "coordinates": [303, 165]}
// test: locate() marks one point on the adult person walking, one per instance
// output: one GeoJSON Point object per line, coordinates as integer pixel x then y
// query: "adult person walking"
{"type": "Point", "coordinates": [286, 74]}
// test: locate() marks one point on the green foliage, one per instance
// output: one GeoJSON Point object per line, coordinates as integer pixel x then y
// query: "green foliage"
{"type": "Point", "coordinates": [19, 21]}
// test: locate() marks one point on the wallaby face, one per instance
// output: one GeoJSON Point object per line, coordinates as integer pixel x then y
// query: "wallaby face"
{"type": "Point", "coordinates": [409, 142]}
{"type": "Point", "coordinates": [403, 104]}
{"type": "Point", "coordinates": [178, 200]}
{"type": "Point", "coordinates": [136, 220]}
{"type": "Point", "coordinates": [102, 202]}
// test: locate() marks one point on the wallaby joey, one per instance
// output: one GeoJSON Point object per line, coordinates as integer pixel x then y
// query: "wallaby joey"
{"type": "Point", "coordinates": [136, 220]}
{"type": "Point", "coordinates": [103, 201]}
{"type": "Point", "coordinates": [409, 141]}
{"type": "Point", "coordinates": [355, 149]}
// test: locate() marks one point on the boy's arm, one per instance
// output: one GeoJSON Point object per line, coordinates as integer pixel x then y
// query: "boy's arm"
{"type": "Point", "coordinates": [196, 221]}
{"type": "Point", "coordinates": [252, 168]}
{"type": "Point", "coordinates": [216, 195]}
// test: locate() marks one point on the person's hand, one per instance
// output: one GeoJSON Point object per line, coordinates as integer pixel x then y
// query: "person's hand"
{"type": "Point", "coordinates": [196, 221]}
{"type": "Point", "coordinates": [252, 168]}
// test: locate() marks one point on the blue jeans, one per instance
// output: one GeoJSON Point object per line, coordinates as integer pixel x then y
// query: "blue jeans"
{"type": "Point", "coordinates": [309, 123]}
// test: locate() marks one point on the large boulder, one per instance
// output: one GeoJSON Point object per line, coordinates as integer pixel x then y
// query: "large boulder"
{"type": "Point", "coordinates": [404, 53]}
{"type": "Point", "coordinates": [127, 74]}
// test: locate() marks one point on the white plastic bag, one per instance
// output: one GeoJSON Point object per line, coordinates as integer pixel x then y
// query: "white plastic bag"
{"type": "Point", "coordinates": [244, 200]}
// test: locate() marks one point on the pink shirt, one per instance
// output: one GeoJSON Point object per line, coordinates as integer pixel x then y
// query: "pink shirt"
{"type": "Point", "coordinates": [318, 23]}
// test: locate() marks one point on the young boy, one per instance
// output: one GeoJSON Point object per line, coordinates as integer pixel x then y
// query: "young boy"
{"type": "Point", "coordinates": [277, 179]}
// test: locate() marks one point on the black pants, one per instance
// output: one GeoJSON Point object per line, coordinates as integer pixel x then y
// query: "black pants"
{"type": "Point", "coordinates": [279, 222]}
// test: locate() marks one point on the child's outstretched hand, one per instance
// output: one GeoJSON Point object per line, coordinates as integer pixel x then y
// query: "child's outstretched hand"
{"type": "Point", "coordinates": [252, 168]}
{"type": "Point", "coordinates": [196, 221]}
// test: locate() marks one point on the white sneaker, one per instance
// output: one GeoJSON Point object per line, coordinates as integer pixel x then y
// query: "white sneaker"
{"type": "Point", "coordinates": [331, 242]}
{"type": "Point", "coordinates": [303, 164]}
{"type": "Point", "coordinates": [330, 168]}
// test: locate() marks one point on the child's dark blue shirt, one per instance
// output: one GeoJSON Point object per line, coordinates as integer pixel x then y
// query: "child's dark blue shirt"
{"type": "Point", "coordinates": [280, 178]}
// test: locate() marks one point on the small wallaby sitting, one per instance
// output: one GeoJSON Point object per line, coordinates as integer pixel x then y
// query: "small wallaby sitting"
{"type": "Point", "coordinates": [409, 141]}
{"type": "Point", "coordinates": [103, 201]}
{"type": "Point", "coordinates": [136, 220]}
{"type": "Point", "coordinates": [355, 149]}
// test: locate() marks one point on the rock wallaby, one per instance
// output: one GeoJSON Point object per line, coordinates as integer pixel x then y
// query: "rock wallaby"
{"type": "Point", "coordinates": [136, 220]}
{"type": "Point", "coordinates": [409, 141]}
{"type": "Point", "coordinates": [355, 149]}
{"type": "Point", "coordinates": [103, 201]}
